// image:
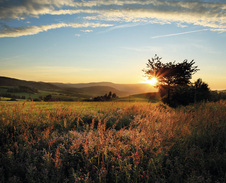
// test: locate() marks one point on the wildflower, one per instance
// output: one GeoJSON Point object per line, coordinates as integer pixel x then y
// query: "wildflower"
{"type": "Point", "coordinates": [119, 157]}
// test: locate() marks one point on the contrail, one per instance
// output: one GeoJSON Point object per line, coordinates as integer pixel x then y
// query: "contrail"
{"type": "Point", "coordinates": [168, 35]}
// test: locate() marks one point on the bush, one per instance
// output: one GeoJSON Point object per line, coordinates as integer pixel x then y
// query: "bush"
{"type": "Point", "coordinates": [188, 94]}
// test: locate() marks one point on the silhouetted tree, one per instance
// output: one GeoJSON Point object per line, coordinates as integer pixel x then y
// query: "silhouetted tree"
{"type": "Point", "coordinates": [114, 96]}
{"type": "Point", "coordinates": [184, 95]}
{"type": "Point", "coordinates": [170, 74]}
{"type": "Point", "coordinates": [180, 95]}
{"type": "Point", "coordinates": [106, 97]}
{"type": "Point", "coordinates": [202, 91]}
{"type": "Point", "coordinates": [109, 95]}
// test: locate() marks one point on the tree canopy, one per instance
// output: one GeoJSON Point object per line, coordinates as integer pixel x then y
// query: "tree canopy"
{"type": "Point", "coordinates": [171, 73]}
{"type": "Point", "coordinates": [174, 82]}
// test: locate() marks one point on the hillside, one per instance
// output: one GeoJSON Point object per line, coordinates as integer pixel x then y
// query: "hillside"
{"type": "Point", "coordinates": [94, 91]}
{"type": "Point", "coordinates": [128, 89]}
{"type": "Point", "coordinates": [5, 81]}
{"type": "Point", "coordinates": [70, 91]}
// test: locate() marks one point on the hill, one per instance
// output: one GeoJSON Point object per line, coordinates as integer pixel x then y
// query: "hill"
{"type": "Point", "coordinates": [125, 89]}
{"type": "Point", "coordinates": [61, 91]}
{"type": "Point", "coordinates": [94, 91]}
{"type": "Point", "coordinates": [5, 81]}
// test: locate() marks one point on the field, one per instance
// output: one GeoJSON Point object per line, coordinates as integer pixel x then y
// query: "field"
{"type": "Point", "coordinates": [112, 142]}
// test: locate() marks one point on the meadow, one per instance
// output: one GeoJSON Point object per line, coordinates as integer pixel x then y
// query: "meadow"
{"type": "Point", "coordinates": [112, 142]}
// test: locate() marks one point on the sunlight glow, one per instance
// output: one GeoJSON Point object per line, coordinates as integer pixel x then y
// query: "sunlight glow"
{"type": "Point", "coordinates": [153, 81]}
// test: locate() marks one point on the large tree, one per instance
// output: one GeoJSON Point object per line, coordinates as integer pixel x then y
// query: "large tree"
{"type": "Point", "coordinates": [170, 74]}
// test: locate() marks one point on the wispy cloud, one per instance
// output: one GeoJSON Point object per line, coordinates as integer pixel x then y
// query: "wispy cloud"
{"type": "Point", "coordinates": [177, 34]}
{"type": "Point", "coordinates": [22, 31]}
{"type": "Point", "coordinates": [87, 30]}
{"type": "Point", "coordinates": [122, 26]}
{"type": "Point", "coordinates": [208, 14]}
{"type": "Point", "coordinates": [168, 16]}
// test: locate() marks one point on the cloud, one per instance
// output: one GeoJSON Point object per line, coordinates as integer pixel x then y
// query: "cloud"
{"type": "Point", "coordinates": [23, 31]}
{"type": "Point", "coordinates": [208, 19]}
{"type": "Point", "coordinates": [177, 34]}
{"type": "Point", "coordinates": [19, 9]}
{"type": "Point", "coordinates": [123, 26]}
{"type": "Point", "coordinates": [87, 30]}
{"type": "Point", "coordinates": [209, 14]}
{"type": "Point", "coordinates": [71, 12]}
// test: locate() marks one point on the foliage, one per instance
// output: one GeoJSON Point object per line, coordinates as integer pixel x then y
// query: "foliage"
{"type": "Point", "coordinates": [217, 95]}
{"type": "Point", "coordinates": [202, 91]}
{"type": "Point", "coordinates": [106, 97]}
{"type": "Point", "coordinates": [171, 73]}
{"type": "Point", "coordinates": [112, 142]}
{"type": "Point", "coordinates": [188, 94]}
{"type": "Point", "coordinates": [174, 82]}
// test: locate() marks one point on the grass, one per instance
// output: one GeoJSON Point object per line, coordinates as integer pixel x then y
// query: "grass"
{"type": "Point", "coordinates": [56, 94]}
{"type": "Point", "coordinates": [112, 142]}
{"type": "Point", "coordinates": [145, 97]}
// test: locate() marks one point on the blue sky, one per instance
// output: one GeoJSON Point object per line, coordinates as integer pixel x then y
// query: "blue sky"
{"type": "Point", "coordinates": [110, 40]}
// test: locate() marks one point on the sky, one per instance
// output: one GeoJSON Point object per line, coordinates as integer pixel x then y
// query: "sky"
{"type": "Point", "coordinates": [80, 41]}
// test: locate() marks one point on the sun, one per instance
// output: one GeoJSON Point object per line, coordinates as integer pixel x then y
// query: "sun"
{"type": "Point", "coordinates": [153, 81]}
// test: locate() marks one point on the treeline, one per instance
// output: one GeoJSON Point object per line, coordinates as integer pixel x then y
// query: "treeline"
{"type": "Point", "coordinates": [107, 97]}
{"type": "Point", "coordinates": [188, 94]}
{"type": "Point", "coordinates": [174, 82]}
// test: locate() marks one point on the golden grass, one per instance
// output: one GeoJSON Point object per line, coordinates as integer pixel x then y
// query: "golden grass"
{"type": "Point", "coordinates": [115, 141]}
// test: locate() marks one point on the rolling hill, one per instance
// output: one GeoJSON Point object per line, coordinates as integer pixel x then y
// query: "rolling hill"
{"type": "Point", "coordinates": [6, 81]}
{"type": "Point", "coordinates": [94, 91]}
{"type": "Point", "coordinates": [121, 89]}
{"type": "Point", "coordinates": [76, 91]}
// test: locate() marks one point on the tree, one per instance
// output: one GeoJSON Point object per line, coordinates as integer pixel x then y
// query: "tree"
{"type": "Point", "coordinates": [202, 91]}
{"type": "Point", "coordinates": [185, 95]}
{"type": "Point", "coordinates": [114, 96]}
{"type": "Point", "coordinates": [170, 74]}
{"type": "Point", "coordinates": [109, 96]}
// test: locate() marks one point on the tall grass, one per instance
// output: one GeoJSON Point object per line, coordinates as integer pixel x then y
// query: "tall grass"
{"type": "Point", "coordinates": [112, 142]}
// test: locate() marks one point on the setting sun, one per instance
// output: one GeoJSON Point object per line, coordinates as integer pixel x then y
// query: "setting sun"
{"type": "Point", "coordinates": [153, 81]}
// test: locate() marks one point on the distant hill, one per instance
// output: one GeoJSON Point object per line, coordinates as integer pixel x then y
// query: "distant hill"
{"type": "Point", "coordinates": [125, 89]}
{"type": "Point", "coordinates": [5, 81]}
{"type": "Point", "coordinates": [94, 91]}
{"type": "Point", "coordinates": [80, 90]}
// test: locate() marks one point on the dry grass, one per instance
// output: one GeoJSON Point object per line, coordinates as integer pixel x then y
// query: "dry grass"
{"type": "Point", "coordinates": [112, 142]}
